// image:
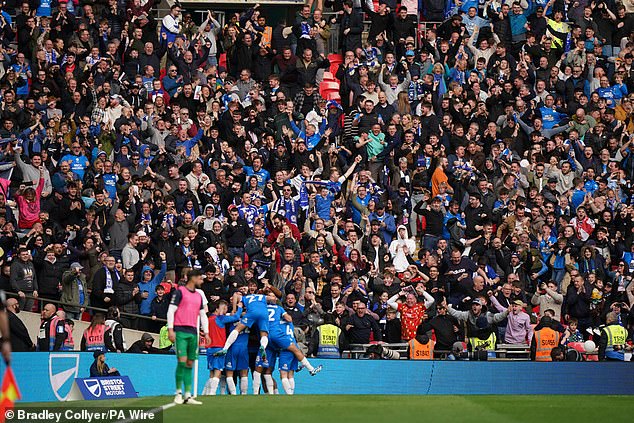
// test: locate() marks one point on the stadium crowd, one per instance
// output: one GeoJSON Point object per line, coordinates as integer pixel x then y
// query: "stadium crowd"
{"type": "Point", "coordinates": [463, 184]}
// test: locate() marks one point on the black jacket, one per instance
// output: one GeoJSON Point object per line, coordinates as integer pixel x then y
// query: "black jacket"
{"type": "Point", "coordinates": [98, 296]}
{"type": "Point", "coordinates": [139, 348]}
{"type": "Point", "coordinates": [49, 275]}
{"type": "Point", "coordinates": [354, 22]}
{"type": "Point", "coordinates": [443, 327]}
{"type": "Point", "coordinates": [237, 234]}
{"type": "Point", "coordinates": [20, 338]}
{"type": "Point", "coordinates": [361, 329]}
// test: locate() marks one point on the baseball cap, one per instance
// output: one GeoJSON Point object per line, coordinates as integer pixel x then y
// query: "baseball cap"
{"type": "Point", "coordinates": [146, 337]}
{"type": "Point", "coordinates": [76, 265]}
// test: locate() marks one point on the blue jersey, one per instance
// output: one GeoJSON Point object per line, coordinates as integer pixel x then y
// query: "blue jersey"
{"type": "Point", "coordinates": [78, 164]}
{"type": "Point", "coordinates": [237, 357]}
{"type": "Point", "coordinates": [248, 213]}
{"type": "Point", "coordinates": [110, 184]}
{"type": "Point", "coordinates": [253, 301]}
{"type": "Point", "coordinates": [551, 117]}
{"type": "Point", "coordinates": [275, 320]}
{"type": "Point", "coordinates": [263, 175]}
{"type": "Point", "coordinates": [256, 312]}
{"type": "Point", "coordinates": [280, 333]}
{"type": "Point", "coordinates": [606, 93]}
{"type": "Point", "coordinates": [287, 360]}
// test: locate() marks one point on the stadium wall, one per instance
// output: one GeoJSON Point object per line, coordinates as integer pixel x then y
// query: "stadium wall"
{"type": "Point", "coordinates": [48, 376]}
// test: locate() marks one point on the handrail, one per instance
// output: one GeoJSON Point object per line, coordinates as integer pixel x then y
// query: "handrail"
{"type": "Point", "coordinates": [102, 310]}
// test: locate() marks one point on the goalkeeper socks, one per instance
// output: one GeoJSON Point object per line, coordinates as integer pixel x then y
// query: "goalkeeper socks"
{"type": "Point", "coordinates": [187, 378]}
{"type": "Point", "coordinates": [264, 342]}
{"type": "Point", "coordinates": [231, 386]}
{"type": "Point", "coordinates": [180, 367]}
{"type": "Point", "coordinates": [231, 339]}
{"type": "Point", "coordinates": [287, 386]}
{"type": "Point", "coordinates": [257, 382]}
{"type": "Point", "coordinates": [268, 380]}
{"type": "Point", "coordinates": [213, 386]}
{"type": "Point", "coordinates": [306, 364]}
{"type": "Point", "coordinates": [244, 385]}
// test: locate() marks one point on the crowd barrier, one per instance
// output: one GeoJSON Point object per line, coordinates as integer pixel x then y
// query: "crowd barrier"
{"type": "Point", "coordinates": [49, 376]}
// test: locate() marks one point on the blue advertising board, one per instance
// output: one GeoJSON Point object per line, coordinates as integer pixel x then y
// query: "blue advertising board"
{"type": "Point", "coordinates": [50, 376]}
{"type": "Point", "coordinates": [101, 388]}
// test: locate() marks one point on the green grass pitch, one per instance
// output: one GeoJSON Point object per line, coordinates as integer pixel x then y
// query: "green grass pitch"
{"type": "Point", "coordinates": [385, 408]}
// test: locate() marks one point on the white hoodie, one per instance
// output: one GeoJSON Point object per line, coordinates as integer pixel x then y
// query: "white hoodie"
{"type": "Point", "coordinates": [399, 258]}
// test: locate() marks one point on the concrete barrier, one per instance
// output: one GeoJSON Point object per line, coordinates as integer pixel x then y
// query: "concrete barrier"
{"type": "Point", "coordinates": [32, 322]}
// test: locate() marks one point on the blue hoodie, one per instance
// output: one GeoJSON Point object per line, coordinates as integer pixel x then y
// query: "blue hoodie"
{"type": "Point", "coordinates": [150, 287]}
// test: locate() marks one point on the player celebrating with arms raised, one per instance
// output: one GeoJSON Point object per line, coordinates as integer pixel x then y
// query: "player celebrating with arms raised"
{"type": "Point", "coordinates": [185, 310]}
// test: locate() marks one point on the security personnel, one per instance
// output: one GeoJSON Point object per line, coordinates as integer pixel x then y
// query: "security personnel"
{"type": "Point", "coordinates": [328, 340]}
{"type": "Point", "coordinates": [483, 342]}
{"type": "Point", "coordinates": [612, 341]}
{"type": "Point", "coordinates": [52, 333]}
{"type": "Point", "coordinates": [482, 337]}
{"type": "Point", "coordinates": [544, 340]}
{"type": "Point", "coordinates": [94, 335]}
{"type": "Point", "coordinates": [421, 348]}
{"type": "Point", "coordinates": [69, 343]}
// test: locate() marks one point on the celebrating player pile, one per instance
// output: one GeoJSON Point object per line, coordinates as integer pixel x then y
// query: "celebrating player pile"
{"type": "Point", "coordinates": [276, 339]}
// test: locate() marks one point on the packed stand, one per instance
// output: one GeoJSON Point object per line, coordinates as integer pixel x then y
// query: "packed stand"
{"type": "Point", "coordinates": [462, 175]}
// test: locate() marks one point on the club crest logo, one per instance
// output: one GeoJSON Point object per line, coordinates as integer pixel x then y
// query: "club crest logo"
{"type": "Point", "coordinates": [93, 386]}
{"type": "Point", "coordinates": [62, 371]}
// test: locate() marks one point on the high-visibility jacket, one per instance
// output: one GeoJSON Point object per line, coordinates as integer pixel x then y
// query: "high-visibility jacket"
{"type": "Point", "coordinates": [328, 346]}
{"type": "Point", "coordinates": [487, 344]}
{"type": "Point", "coordinates": [616, 334]}
{"type": "Point", "coordinates": [420, 351]}
{"type": "Point", "coordinates": [52, 332]}
{"type": "Point", "coordinates": [69, 342]}
{"type": "Point", "coordinates": [545, 339]}
{"type": "Point", "coordinates": [95, 339]}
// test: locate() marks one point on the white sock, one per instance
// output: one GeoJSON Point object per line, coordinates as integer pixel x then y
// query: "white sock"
{"type": "Point", "coordinates": [291, 381]}
{"type": "Point", "coordinates": [257, 382]}
{"type": "Point", "coordinates": [213, 386]}
{"type": "Point", "coordinates": [287, 386]}
{"type": "Point", "coordinates": [244, 385]}
{"type": "Point", "coordinates": [264, 342]}
{"type": "Point", "coordinates": [206, 387]}
{"type": "Point", "coordinates": [268, 380]}
{"type": "Point", "coordinates": [178, 391]}
{"type": "Point", "coordinates": [231, 339]}
{"type": "Point", "coordinates": [231, 385]}
{"type": "Point", "coordinates": [276, 391]}
{"type": "Point", "coordinates": [188, 395]}
{"type": "Point", "coordinates": [306, 364]}
{"type": "Point", "coordinates": [223, 385]}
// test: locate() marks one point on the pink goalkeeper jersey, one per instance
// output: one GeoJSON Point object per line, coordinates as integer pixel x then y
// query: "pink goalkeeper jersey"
{"type": "Point", "coordinates": [189, 305]}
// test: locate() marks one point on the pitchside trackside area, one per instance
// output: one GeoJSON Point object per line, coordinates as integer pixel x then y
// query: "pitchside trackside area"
{"type": "Point", "coordinates": [390, 408]}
